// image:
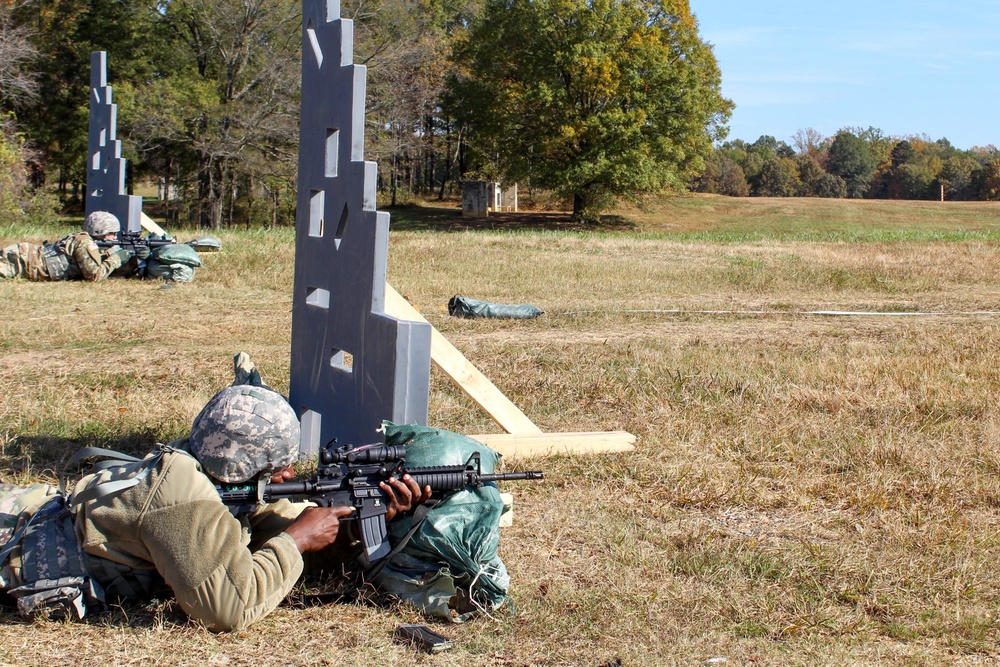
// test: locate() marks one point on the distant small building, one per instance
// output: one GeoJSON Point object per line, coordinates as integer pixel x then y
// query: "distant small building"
{"type": "Point", "coordinates": [165, 191]}
{"type": "Point", "coordinates": [480, 198]}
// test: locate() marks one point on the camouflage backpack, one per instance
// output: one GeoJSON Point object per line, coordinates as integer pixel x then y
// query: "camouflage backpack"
{"type": "Point", "coordinates": [39, 552]}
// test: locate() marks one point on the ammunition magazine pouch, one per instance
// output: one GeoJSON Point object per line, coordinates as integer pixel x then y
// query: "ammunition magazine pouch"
{"type": "Point", "coordinates": [66, 597]}
{"type": "Point", "coordinates": [56, 261]}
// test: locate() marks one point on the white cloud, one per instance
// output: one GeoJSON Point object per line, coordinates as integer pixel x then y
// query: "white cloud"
{"type": "Point", "coordinates": [889, 42]}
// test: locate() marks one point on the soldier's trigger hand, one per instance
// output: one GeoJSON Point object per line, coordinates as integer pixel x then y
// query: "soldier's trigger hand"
{"type": "Point", "coordinates": [317, 527]}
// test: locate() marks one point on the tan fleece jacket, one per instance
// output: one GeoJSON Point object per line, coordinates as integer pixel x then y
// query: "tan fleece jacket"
{"type": "Point", "coordinates": [225, 572]}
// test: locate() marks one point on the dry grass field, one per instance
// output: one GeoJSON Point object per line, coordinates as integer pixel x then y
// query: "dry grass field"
{"type": "Point", "coordinates": [806, 489]}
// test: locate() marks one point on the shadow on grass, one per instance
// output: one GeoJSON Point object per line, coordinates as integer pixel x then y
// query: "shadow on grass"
{"type": "Point", "coordinates": [53, 452]}
{"type": "Point", "coordinates": [445, 219]}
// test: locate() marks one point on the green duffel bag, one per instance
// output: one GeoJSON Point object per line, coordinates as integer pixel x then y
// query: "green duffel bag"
{"type": "Point", "coordinates": [463, 306]}
{"type": "Point", "coordinates": [177, 253]}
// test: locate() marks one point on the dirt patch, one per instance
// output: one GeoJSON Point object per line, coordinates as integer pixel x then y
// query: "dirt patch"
{"type": "Point", "coordinates": [15, 361]}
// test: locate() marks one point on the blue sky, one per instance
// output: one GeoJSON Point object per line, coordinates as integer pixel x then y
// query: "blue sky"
{"type": "Point", "coordinates": [907, 67]}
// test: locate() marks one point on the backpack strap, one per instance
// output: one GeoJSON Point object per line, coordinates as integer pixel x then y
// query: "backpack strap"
{"type": "Point", "coordinates": [112, 487]}
{"type": "Point", "coordinates": [419, 514]}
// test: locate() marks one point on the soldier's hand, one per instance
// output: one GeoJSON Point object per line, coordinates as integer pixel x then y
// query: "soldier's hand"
{"type": "Point", "coordinates": [317, 527]}
{"type": "Point", "coordinates": [404, 495]}
{"type": "Point", "coordinates": [142, 252]}
{"type": "Point", "coordinates": [123, 256]}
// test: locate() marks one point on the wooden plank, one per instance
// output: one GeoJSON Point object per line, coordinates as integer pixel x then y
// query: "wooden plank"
{"type": "Point", "coordinates": [150, 225]}
{"type": "Point", "coordinates": [542, 444]}
{"type": "Point", "coordinates": [477, 386]}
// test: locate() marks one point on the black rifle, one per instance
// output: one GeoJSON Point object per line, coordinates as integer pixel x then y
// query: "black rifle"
{"type": "Point", "coordinates": [350, 476]}
{"type": "Point", "coordinates": [132, 241]}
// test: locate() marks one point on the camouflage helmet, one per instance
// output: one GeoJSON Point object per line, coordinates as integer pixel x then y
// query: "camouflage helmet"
{"type": "Point", "coordinates": [243, 431]}
{"type": "Point", "coordinates": [101, 223]}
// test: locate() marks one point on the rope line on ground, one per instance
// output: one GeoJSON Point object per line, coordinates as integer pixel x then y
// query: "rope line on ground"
{"type": "Point", "coordinates": [825, 313]}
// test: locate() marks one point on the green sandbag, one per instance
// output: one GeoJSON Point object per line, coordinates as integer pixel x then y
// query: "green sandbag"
{"type": "Point", "coordinates": [177, 253]}
{"type": "Point", "coordinates": [178, 273]}
{"type": "Point", "coordinates": [206, 244]}
{"type": "Point", "coordinates": [454, 552]}
{"type": "Point", "coordinates": [462, 306]}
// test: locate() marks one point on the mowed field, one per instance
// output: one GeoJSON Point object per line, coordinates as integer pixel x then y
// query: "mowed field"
{"type": "Point", "coordinates": [806, 489]}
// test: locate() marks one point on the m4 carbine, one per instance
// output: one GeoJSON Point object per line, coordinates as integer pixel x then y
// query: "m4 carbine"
{"type": "Point", "coordinates": [350, 476]}
{"type": "Point", "coordinates": [132, 241]}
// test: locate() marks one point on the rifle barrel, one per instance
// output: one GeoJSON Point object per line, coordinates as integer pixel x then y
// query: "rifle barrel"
{"type": "Point", "coordinates": [508, 476]}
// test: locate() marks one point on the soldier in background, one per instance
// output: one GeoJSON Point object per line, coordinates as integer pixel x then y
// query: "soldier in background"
{"type": "Point", "coordinates": [73, 257]}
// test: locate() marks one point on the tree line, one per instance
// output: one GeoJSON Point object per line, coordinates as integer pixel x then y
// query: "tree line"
{"type": "Point", "coordinates": [587, 99]}
{"type": "Point", "coordinates": [856, 163]}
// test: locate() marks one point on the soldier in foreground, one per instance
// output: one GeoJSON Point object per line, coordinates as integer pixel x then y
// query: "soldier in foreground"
{"type": "Point", "coordinates": [159, 522]}
{"type": "Point", "coordinates": [73, 257]}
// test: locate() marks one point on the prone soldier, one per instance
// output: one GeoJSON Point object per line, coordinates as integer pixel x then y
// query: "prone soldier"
{"type": "Point", "coordinates": [147, 525]}
{"type": "Point", "coordinates": [73, 257]}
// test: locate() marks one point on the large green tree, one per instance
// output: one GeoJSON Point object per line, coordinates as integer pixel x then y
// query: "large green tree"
{"type": "Point", "coordinates": [226, 101]}
{"type": "Point", "coordinates": [850, 158]}
{"type": "Point", "coordinates": [778, 177]}
{"type": "Point", "coordinates": [591, 98]}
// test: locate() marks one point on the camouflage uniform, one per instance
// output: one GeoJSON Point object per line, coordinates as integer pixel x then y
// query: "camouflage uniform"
{"type": "Point", "coordinates": [85, 260]}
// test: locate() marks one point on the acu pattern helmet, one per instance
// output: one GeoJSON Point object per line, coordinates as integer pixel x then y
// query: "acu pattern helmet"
{"type": "Point", "coordinates": [243, 431]}
{"type": "Point", "coordinates": [101, 223]}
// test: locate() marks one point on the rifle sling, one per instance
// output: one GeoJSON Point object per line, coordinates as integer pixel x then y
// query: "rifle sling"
{"type": "Point", "coordinates": [419, 514]}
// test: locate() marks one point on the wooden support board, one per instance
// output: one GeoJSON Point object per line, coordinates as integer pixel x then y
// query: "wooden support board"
{"type": "Point", "coordinates": [477, 386]}
{"type": "Point", "coordinates": [150, 225]}
{"type": "Point", "coordinates": [523, 438]}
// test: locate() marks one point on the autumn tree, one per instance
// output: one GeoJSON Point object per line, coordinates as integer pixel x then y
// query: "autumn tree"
{"type": "Point", "coordinates": [17, 82]}
{"type": "Point", "coordinates": [722, 176]}
{"type": "Point", "coordinates": [590, 98]}
{"type": "Point", "coordinates": [64, 33]}
{"type": "Point", "coordinates": [18, 88]}
{"type": "Point", "coordinates": [405, 44]}
{"type": "Point", "coordinates": [778, 177]}
{"type": "Point", "coordinates": [811, 143]}
{"type": "Point", "coordinates": [815, 182]}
